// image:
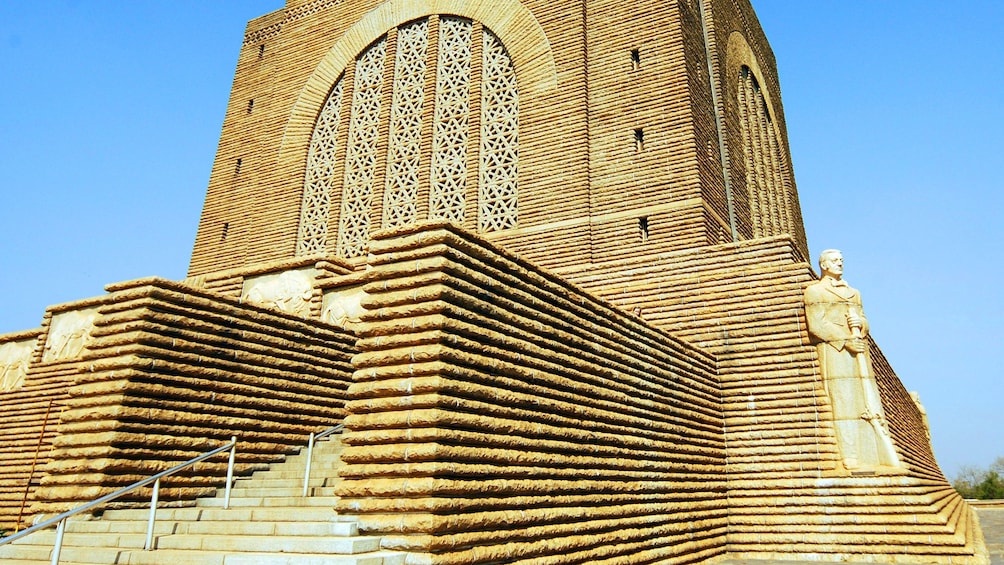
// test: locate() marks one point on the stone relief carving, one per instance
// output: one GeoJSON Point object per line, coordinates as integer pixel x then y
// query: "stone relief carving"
{"type": "Point", "coordinates": [14, 359]}
{"type": "Point", "coordinates": [69, 333]}
{"type": "Point", "coordinates": [289, 291]}
{"type": "Point", "coordinates": [838, 327]}
{"type": "Point", "coordinates": [343, 307]}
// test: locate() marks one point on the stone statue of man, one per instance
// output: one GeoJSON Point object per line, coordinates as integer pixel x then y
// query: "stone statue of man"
{"type": "Point", "coordinates": [838, 327]}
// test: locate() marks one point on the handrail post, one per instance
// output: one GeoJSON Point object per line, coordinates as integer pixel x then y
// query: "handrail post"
{"type": "Point", "coordinates": [58, 545]}
{"type": "Point", "coordinates": [306, 472]}
{"type": "Point", "coordinates": [230, 472]}
{"type": "Point", "coordinates": [153, 516]}
{"type": "Point", "coordinates": [60, 520]}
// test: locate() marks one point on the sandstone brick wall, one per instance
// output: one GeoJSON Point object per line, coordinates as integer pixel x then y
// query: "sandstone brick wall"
{"type": "Point", "coordinates": [261, 205]}
{"type": "Point", "coordinates": [169, 372]}
{"type": "Point", "coordinates": [912, 430]}
{"type": "Point", "coordinates": [654, 180]}
{"type": "Point", "coordinates": [500, 414]}
{"type": "Point", "coordinates": [618, 146]}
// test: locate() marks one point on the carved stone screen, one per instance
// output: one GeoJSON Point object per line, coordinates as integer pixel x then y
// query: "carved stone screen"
{"type": "Point", "coordinates": [450, 154]}
{"type": "Point", "coordinates": [453, 108]}
{"type": "Point", "coordinates": [405, 147]}
{"type": "Point", "coordinates": [497, 201]}
{"type": "Point", "coordinates": [313, 233]}
{"type": "Point", "coordinates": [361, 153]}
{"type": "Point", "coordinates": [770, 205]}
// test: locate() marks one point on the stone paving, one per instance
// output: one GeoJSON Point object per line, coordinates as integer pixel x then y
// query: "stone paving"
{"type": "Point", "coordinates": [991, 520]}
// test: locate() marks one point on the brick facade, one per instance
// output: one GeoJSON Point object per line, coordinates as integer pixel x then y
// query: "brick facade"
{"type": "Point", "coordinates": [619, 151]}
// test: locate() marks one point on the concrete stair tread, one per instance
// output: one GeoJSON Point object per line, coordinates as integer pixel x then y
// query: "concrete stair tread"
{"type": "Point", "coordinates": [259, 501]}
{"type": "Point", "coordinates": [271, 543]}
{"type": "Point", "coordinates": [68, 554]}
{"type": "Point", "coordinates": [296, 483]}
{"type": "Point", "coordinates": [280, 492]}
{"type": "Point", "coordinates": [288, 474]}
{"type": "Point", "coordinates": [189, 557]}
{"type": "Point", "coordinates": [47, 538]}
{"type": "Point", "coordinates": [242, 513]}
{"type": "Point", "coordinates": [13, 561]}
{"type": "Point", "coordinates": [167, 527]}
{"type": "Point", "coordinates": [327, 460]}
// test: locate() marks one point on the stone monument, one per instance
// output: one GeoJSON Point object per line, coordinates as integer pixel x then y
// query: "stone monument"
{"type": "Point", "coordinates": [430, 221]}
{"type": "Point", "coordinates": [838, 327]}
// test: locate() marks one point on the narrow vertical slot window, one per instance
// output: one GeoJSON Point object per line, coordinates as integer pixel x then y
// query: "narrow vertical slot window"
{"type": "Point", "coordinates": [643, 228]}
{"type": "Point", "coordinates": [250, 105]}
{"type": "Point", "coordinates": [639, 139]}
{"type": "Point", "coordinates": [635, 59]}
{"type": "Point", "coordinates": [237, 166]}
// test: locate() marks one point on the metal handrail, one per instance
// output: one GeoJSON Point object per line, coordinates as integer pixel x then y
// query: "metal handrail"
{"type": "Point", "coordinates": [155, 479]}
{"type": "Point", "coordinates": [310, 451]}
{"type": "Point", "coordinates": [34, 463]}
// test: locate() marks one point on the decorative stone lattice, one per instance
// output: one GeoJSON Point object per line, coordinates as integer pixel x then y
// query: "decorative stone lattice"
{"type": "Point", "coordinates": [313, 232]}
{"type": "Point", "coordinates": [770, 209]}
{"type": "Point", "coordinates": [404, 158]}
{"type": "Point", "coordinates": [497, 202]}
{"type": "Point", "coordinates": [449, 121]}
{"type": "Point", "coordinates": [361, 152]}
{"type": "Point", "coordinates": [452, 114]}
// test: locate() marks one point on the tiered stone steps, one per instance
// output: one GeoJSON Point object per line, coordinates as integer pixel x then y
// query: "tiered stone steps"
{"type": "Point", "coordinates": [268, 523]}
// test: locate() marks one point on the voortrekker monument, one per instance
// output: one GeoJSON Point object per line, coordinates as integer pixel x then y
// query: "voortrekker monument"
{"type": "Point", "coordinates": [545, 262]}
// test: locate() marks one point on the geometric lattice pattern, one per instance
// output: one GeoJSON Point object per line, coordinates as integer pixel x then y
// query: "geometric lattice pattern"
{"type": "Point", "coordinates": [312, 236]}
{"type": "Point", "coordinates": [361, 153]}
{"type": "Point", "coordinates": [452, 114]}
{"type": "Point", "coordinates": [405, 143]}
{"type": "Point", "coordinates": [408, 163]}
{"type": "Point", "coordinates": [770, 204]}
{"type": "Point", "coordinates": [497, 198]}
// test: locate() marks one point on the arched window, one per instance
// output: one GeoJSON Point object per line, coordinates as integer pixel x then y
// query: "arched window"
{"type": "Point", "coordinates": [770, 203]}
{"type": "Point", "coordinates": [444, 151]}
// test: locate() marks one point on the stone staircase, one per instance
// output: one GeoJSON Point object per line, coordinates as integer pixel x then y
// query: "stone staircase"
{"type": "Point", "coordinates": [268, 523]}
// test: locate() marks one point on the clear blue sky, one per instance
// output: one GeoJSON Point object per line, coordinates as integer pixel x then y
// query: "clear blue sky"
{"type": "Point", "coordinates": [110, 113]}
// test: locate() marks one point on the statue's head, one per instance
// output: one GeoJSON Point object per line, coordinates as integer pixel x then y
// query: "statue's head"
{"type": "Point", "coordinates": [831, 263]}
